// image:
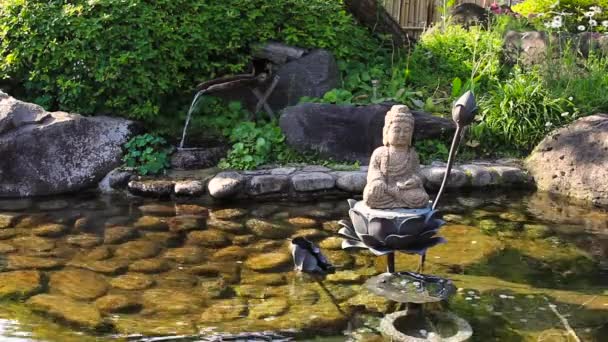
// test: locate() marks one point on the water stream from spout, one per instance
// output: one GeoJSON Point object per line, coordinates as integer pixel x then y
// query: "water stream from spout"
{"type": "Point", "coordinates": [200, 93]}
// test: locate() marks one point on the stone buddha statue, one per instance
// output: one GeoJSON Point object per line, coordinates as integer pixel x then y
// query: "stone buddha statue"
{"type": "Point", "coordinates": [392, 178]}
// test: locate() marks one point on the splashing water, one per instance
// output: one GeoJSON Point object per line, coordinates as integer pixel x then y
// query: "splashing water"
{"type": "Point", "coordinates": [200, 93]}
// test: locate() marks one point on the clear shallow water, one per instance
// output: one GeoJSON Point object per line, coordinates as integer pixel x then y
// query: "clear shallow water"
{"type": "Point", "coordinates": [89, 268]}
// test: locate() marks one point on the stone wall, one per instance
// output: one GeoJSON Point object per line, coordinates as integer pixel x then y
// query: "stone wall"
{"type": "Point", "coordinates": [317, 182]}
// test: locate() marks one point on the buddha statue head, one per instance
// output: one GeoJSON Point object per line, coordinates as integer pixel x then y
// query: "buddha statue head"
{"type": "Point", "coordinates": [398, 127]}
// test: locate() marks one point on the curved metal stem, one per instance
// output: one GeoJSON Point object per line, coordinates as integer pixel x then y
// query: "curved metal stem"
{"type": "Point", "coordinates": [448, 169]}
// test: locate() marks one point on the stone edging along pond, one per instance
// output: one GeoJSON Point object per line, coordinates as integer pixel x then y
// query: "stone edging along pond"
{"type": "Point", "coordinates": [311, 182]}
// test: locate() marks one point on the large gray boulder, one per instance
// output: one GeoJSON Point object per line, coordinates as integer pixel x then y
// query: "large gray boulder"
{"type": "Point", "coordinates": [573, 160]}
{"type": "Point", "coordinates": [46, 153]}
{"type": "Point", "coordinates": [349, 133]}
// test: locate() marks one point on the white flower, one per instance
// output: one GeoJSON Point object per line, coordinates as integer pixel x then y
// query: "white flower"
{"type": "Point", "coordinates": [557, 19]}
{"type": "Point", "coordinates": [570, 98]}
{"type": "Point", "coordinates": [555, 25]}
{"type": "Point", "coordinates": [549, 124]}
{"type": "Point", "coordinates": [589, 14]}
{"type": "Point", "coordinates": [596, 9]}
{"type": "Point", "coordinates": [592, 22]}
{"type": "Point", "coordinates": [581, 27]}
{"type": "Point", "coordinates": [565, 114]}
{"type": "Point", "coordinates": [549, 24]}
{"type": "Point", "coordinates": [605, 23]}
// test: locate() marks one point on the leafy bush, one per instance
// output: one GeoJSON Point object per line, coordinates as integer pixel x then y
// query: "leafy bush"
{"type": "Point", "coordinates": [519, 112]}
{"type": "Point", "coordinates": [147, 154]}
{"type": "Point", "coordinates": [449, 52]}
{"type": "Point", "coordinates": [140, 59]}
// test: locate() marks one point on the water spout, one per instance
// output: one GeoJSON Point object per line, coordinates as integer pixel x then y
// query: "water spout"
{"type": "Point", "coordinates": [200, 93]}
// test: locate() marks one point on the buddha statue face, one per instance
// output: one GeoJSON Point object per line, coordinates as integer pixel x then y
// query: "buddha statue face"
{"type": "Point", "coordinates": [398, 127]}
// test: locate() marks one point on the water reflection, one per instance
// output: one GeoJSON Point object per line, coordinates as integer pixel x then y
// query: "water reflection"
{"type": "Point", "coordinates": [99, 268]}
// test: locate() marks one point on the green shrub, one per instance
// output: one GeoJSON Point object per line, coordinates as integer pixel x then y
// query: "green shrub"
{"type": "Point", "coordinates": [147, 154]}
{"type": "Point", "coordinates": [519, 112]}
{"type": "Point", "coordinates": [449, 52]}
{"type": "Point", "coordinates": [141, 59]}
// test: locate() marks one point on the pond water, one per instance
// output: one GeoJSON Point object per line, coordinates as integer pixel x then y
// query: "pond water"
{"type": "Point", "coordinates": [91, 268]}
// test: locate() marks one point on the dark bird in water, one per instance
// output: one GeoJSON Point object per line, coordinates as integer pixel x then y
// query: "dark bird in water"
{"type": "Point", "coordinates": [307, 257]}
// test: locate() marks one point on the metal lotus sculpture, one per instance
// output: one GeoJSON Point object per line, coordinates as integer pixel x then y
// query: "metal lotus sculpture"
{"type": "Point", "coordinates": [307, 257]}
{"type": "Point", "coordinates": [382, 236]}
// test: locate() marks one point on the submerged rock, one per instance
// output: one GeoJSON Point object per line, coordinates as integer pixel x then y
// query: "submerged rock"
{"type": "Point", "coordinates": [331, 242]}
{"type": "Point", "coordinates": [269, 230]}
{"type": "Point", "coordinates": [149, 266]}
{"type": "Point", "coordinates": [227, 226]}
{"type": "Point", "coordinates": [33, 243]}
{"type": "Point", "coordinates": [132, 281]}
{"type": "Point", "coordinates": [302, 222]}
{"type": "Point", "coordinates": [20, 284]}
{"type": "Point", "coordinates": [345, 277]}
{"type": "Point", "coordinates": [228, 214]}
{"type": "Point", "coordinates": [264, 308]}
{"type": "Point", "coordinates": [186, 223]}
{"type": "Point", "coordinates": [172, 301]}
{"type": "Point", "coordinates": [185, 255]}
{"type": "Point", "coordinates": [8, 220]}
{"type": "Point", "coordinates": [118, 234]}
{"type": "Point", "coordinates": [50, 230]}
{"type": "Point", "coordinates": [151, 223]}
{"type": "Point", "coordinates": [208, 238]}
{"type": "Point", "coordinates": [67, 309]}
{"type": "Point", "coordinates": [268, 261]}
{"type": "Point", "coordinates": [116, 303]}
{"type": "Point", "coordinates": [138, 249]}
{"type": "Point", "coordinates": [85, 240]}
{"type": "Point", "coordinates": [78, 283]}
{"type": "Point", "coordinates": [157, 209]}
{"type": "Point", "coordinates": [21, 262]}
{"type": "Point", "coordinates": [224, 310]}
{"type": "Point", "coordinates": [109, 266]}
{"type": "Point", "coordinates": [230, 253]}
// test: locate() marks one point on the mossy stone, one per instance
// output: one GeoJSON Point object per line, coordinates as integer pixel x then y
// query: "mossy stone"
{"type": "Point", "coordinates": [345, 277]}
{"type": "Point", "coordinates": [208, 238]}
{"type": "Point", "coordinates": [176, 279]}
{"type": "Point", "coordinates": [8, 220]}
{"type": "Point", "coordinates": [230, 253]}
{"type": "Point", "coordinates": [513, 216]}
{"type": "Point", "coordinates": [340, 259]}
{"type": "Point", "coordinates": [116, 303]}
{"type": "Point", "coordinates": [118, 234]}
{"type": "Point", "coordinates": [84, 240]}
{"type": "Point", "coordinates": [256, 278]}
{"type": "Point", "coordinates": [264, 308]}
{"type": "Point", "coordinates": [186, 223]}
{"type": "Point", "coordinates": [331, 226]}
{"type": "Point", "coordinates": [172, 301]}
{"type": "Point", "coordinates": [224, 310]}
{"type": "Point", "coordinates": [157, 209]}
{"type": "Point", "coordinates": [7, 233]}
{"type": "Point", "coordinates": [22, 262]}
{"type": "Point", "coordinates": [302, 222]}
{"type": "Point", "coordinates": [109, 266]}
{"type": "Point", "coordinates": [20, 284]}
{"type": "Point", "coordinates": [242, 240]}
{"type": "Point", "coordinates": [151, 223]}
{"type": "Point", "coordinates": [132, 281]}
{"type": "Point", "coordinates": [137, 249]}
{"type": "Point", "coordinates": [309, 233]}
{"type": "Point", "coordinates": [98, 253]}
{"type": "Point", "coordinates": [269, 230]}
{"type": "Point", "coordinates": [488, 226]}
{"type": "Point", "coordinates": [332, 242]}
{"type": "Point", "coordinates": [5, 248]}
{"type": "Point", "coordinates": [214, 288]}
{"type": "Point", "coordinates": [227, 214]}
{"type": "Point", "coordinates": [268, 261]}
{"type": "Point", "coordinates": [149, 266]}
{"type": "Point", "coordinates": [536, 231]}
{"type": "Point", "coordinates": [67, 309]}
{"type": "Point", "coordinates": [33, 243]}
{"type": "Point", "coordinates": [191, 209]}
{"type": "Point", "coordinates": [227, 226]}
{"type": "Point", "coordinates": [78, 283]}
{"type": "Point", "coordinates": [155, 325]}
{"type": "Point", "coordinates": [185, 255]}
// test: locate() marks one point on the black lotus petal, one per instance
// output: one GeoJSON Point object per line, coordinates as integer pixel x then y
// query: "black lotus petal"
{"type": "Point", "coordinates": [346, 224]}
{"type": "Point", "coordinates": [359, 221]}
{"type": "Point", "coordinates": [370, 241]}
{"type": "Point", "coordinates": [420, 247]}
{"type": "Point", "coordinates": [434, 224]}
{"type": "Point", "coordinates": [351, 202]}
{"type": "Point", "coordinates": [347, 233]}
{"type": "Point", "coordinates": [400, 241]}
{"type": "Point", "coordinates": [412, 226]}
{"type": "Point", "coordinates": [381, 250]}
{"type": "Point", "coordinates": [380, 228]}
{"type": "Point", "coordinates": [353, 244]}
